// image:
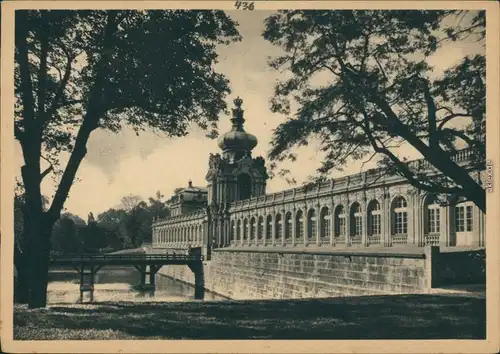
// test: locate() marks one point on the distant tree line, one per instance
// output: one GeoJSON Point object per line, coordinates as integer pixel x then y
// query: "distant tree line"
{"type": "Point", "coordinates": [128, 226]}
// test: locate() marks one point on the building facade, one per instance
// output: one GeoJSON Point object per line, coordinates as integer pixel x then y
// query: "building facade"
{"type": "Point", "coordinates": [360, 210]}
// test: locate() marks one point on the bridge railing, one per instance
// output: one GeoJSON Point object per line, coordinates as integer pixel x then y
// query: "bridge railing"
{"type": "Point", "coordinates": [115, 257]}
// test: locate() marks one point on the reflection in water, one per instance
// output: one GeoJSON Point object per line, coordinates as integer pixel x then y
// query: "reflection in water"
{"type": "Point", "coordinates": [115, 284]}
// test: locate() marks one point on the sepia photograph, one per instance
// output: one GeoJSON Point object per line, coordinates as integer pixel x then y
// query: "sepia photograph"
{"type": "Point", "coordinates": [241, 171]}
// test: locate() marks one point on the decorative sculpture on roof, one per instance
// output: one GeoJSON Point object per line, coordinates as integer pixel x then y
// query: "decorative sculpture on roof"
{"type": "Point", "coordinates": [260, 165]}
{"type": "Point", "coordinates": [214, 161]}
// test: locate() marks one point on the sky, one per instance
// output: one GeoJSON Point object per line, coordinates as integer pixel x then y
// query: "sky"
{"type": "Point", "coordinates": [123, 164]}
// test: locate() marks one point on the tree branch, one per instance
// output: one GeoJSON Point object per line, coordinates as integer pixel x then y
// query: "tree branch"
{"type": "Point", "coordinates": [48, 169]}
{"type": "Point", "coordinates": [431, 115]}
{"type": "Point", "coordinates": [471, 142]}
{"type": "Point", "coordinates": [367, 161]}
{"type": "Point", "coordinates": [22, 57]}
{"type": "Point", "coordinates": [90, 122]}
{"type": "Point", "coordinates": [67, 73]}
{"type": "Point", "coordinates": [42, 73]}
{"type": "Point", "coordinates": [450, 117]}
{"type": "Point", "coordinates": [402, 167]}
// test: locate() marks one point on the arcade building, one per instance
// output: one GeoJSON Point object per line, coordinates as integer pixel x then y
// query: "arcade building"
{"type": "Point", "coordinates": [368, 209]}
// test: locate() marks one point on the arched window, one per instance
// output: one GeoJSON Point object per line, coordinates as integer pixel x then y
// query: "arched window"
{"type": "Point", "coordinates": [244, 182]}
{"type": "Point", "coordinates": [356, 220]}
{"type": "Point", "coordinates": [340, 221]}
{"type": "Point", "coordinates": [260, 228]}
{"type": "Point", "coordinates": [238, 230]}
{"type": "Point", "coordinates": [311, 224]}
{"type": "Point", "coordinates": [432, 219]}
{"type": "Point", "coordinates": [245, 229]}
{"type": "Point", "coordinates": [252, 229]}
{"type": "Point", "coordinates": [399, 216]}
{"type": "Point", "coordinates": [269, 227]}
{"type": "Point", "coordinates": [374, 218]}
{"type": "Point", "coordinates": [463, 217]}
{"type": "Point", "coordinates": [279, 227]}
{"type": "Point", "coordinates": [325, 223]}
{"type": "Point", "coordinates": [288, 225]}
{"type": "Point", "coordinates": [432, 215]}
{"type": "Point", "coordinates": [299, 225]}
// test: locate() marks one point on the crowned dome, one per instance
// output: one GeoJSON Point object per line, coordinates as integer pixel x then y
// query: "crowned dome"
{"type": "Point", "coordinates": [237, 139]}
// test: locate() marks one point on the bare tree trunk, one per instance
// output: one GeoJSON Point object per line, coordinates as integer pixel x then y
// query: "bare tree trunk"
{"type": "Point", "coordinates": [39, 259]}
{"type": "Point", "coordinates": [21, 290]}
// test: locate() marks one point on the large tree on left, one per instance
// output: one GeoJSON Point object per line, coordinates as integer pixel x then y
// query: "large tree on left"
{"type": "Point", "coordinates": [78, 71]}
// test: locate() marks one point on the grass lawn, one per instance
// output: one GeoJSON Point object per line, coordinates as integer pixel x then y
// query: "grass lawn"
{"type": "Point", "coordinates": [367, 317]}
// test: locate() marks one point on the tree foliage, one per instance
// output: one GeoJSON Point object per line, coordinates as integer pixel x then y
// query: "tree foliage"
{"type": "Point", "coordinates": [68, 234]}
{"type": "Point", "coordinates": [78, 71]}
{"type": "Point", "coordinates": [131, 225]}
{"type": "Point", "coordinates": [381, 92]}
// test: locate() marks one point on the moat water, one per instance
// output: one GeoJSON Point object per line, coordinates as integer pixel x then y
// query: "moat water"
{"type": "Point", "coordinates": [116, 284]}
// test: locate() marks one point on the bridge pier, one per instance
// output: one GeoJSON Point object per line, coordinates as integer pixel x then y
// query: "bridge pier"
{"type": "Point", "coordinates": [199, 280]}
{"type": "Point", "coordinates": [147, 271]}
{"type": "Point", "coordinates": [89, 285]}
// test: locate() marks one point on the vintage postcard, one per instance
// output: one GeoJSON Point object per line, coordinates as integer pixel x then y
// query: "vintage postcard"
{"type": "Point", "coordinates": [250, 177]}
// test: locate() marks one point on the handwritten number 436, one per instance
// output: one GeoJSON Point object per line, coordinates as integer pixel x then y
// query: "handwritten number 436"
{"type": "Point", "coordinates": [244, 5]}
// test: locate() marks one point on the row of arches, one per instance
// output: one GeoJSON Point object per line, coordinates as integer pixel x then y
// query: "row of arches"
{"type": "Point", "coordinates": [179, 233]}
{"type": "Point", "coordinates": [341, 222]}
{"type": "Point", "coordinates": [425, 221]}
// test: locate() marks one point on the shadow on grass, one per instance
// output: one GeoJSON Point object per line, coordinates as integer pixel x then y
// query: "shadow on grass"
{"type": "Point", "coordinates": [366, 317]}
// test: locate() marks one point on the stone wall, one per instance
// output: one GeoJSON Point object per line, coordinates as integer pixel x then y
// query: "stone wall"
{"type": "Point", "coordinates": [240, 274]}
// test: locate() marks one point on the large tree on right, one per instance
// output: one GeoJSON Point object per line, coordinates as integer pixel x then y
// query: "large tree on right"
{"type": "Point", "coordinates": [381, 92]}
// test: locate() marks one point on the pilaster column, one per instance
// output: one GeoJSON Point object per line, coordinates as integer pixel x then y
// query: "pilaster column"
{"type": "Point", "coordinates": [421, 222]}
{"type": "Point", "coordinates": [449, 231]}
{"type": "Point", "coordinates": [411, 218]}
{"type": "Point", "coordinates": [332, 225]}
{"type": "Point", "coordinates": [206, 234]}
{"type": "Point", "coordinates": [283, 227]}
{"type": "Point", "coordinates": [482, 231]}
{"type": "Point", "coordinates": [364, 226]}
{"type": "Point", "coordinates": [347, 218]}
{"type": "Point", "coordinates": [221, 232]}
{"type": "Point", "coordinates": [476, 226]}
{"type": "Point", "coordinates": [242, 232]}
{"type": "Point", "coordinates": [294, 226]}
{"type": "Point", "coordinates": [265, 241]}
{"type": "Point", "coordinates": [386, 220]}
{"type": "Point", "coordinates": [318, 225]}
{"type": "Point", "coordinates": [229, 229]}
{"type": "Point", "coordinates": [305, 225]}
{"type": "Point", "coordinates": [273, 228]}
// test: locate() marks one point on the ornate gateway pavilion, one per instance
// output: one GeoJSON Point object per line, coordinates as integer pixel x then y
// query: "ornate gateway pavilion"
{"type": "Point", "coordinates": [365, 209]}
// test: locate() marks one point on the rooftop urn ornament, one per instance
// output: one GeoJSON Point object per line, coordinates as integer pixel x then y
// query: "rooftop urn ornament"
{"type": "Point", "coordinates": [190, 184]}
